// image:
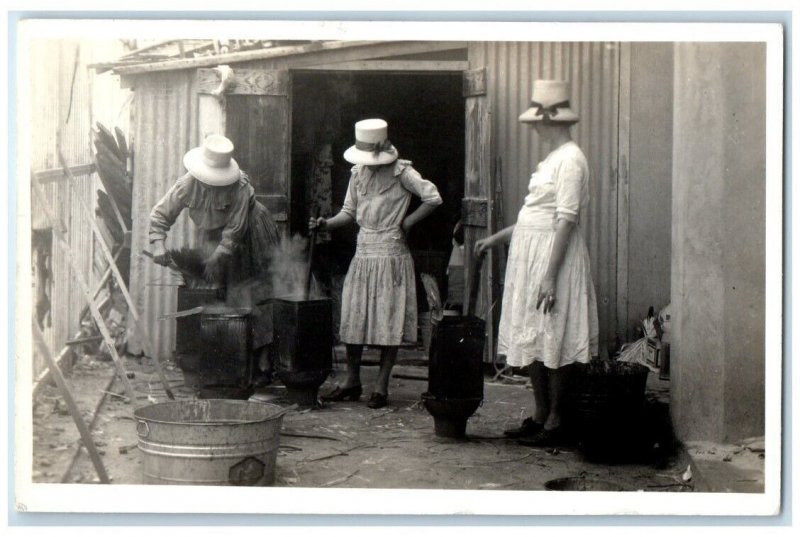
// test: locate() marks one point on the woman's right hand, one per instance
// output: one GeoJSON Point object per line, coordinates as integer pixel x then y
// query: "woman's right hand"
{"type": "Point", "coordinates": [482, 245]}
{"type": "Point", "coordinates": [320, 223]}
{"type": "Point", "coordinates": [160, 254]}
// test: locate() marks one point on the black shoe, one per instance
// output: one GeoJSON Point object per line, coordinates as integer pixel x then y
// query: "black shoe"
{"type": "Point", "coordinates": [377, 400]}
{"type": "Point", "coordinates": [544, 438]}
{"type": "Point", "coordinates": [528, 428]}
{"type": "Point", "coordinates": [343, 394]}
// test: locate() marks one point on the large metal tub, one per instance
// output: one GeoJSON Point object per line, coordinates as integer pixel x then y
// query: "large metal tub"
{"type": "Point", "coordinates": [211, 442]}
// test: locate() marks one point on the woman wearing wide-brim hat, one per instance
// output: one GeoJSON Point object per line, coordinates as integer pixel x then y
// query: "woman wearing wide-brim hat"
{"type": "Point", "coordinates": [379, 304]}
{"type": "Point", "coordinates": [237, 233]}
{"type": "Point", "coordinates": [549, 316]}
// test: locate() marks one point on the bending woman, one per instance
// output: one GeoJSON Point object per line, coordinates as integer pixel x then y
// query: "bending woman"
{"type": "Point", "coordinates": [549, 317]}
{"type": "Point", "coordinates": [379, 302]}
{"type": "Point", "coordinates": [237, 233]}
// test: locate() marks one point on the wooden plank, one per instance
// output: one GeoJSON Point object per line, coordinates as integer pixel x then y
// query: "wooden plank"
{"type": "Point", "coordinates": [260, 128]}
{"type": "Point", "coordinates": [43, 377]}
{"type": "Point", "coordinates": [141, 329]}
{"type": "Point", "coordinates": [211, 116]}
{"type": "Point", "coordinates": [86, 436]}
{"type": "Point", "coordinates": [477, 171]}
{"type": "Point", "coordinates": [474, 82]}
{"type": "Point", "coordinates": [623, 189]}
{"type": "Point", "coordinates": [317, 52]}
{"type": "Point", "coordinates": [55, 175]}
{"type": "Point", "coordinates": [475, 212]}
{"type": "Point", "coordinates": [246, 82]}
{"type": "Point", "coordinates": [59, 231]}
{"type": "Point", "coordinates": [414, 66]}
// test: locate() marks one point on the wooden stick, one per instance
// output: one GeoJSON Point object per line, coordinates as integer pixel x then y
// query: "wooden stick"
{"type": "Point", "coordinates": [100, 285]}
{"type": "Point", "coordinates": [184, 313]}
{"type": "Point", "coordinates": [140, 327]}
{"type": "Point", "coordinates": [82, 340]}
{"type": "Point", "coordinates": [86, 436]}
{"type": "Point", "coordinates": [40, 380]}
{"type": "Point", "coordinates": [313, 239]}
{"type": "Point", "coordinates": [58, 228]}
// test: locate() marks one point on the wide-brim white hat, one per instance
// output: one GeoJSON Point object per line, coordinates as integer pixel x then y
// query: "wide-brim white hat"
{"type": "Point", "coordinates": [212, 163]}
{"type": "Point", "coordinates": [372, 146]}
{"type": "Point", "coordinates": [550, 102]}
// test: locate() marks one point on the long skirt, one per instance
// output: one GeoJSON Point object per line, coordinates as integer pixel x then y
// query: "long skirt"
{"type": "Point", "coordinates": [569, 332]}
{"type": "Point", "coordinates": [379, 300]}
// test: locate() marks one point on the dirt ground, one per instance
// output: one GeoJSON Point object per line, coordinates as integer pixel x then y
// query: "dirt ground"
{"type": "Point", "coordinates": [392, 447]}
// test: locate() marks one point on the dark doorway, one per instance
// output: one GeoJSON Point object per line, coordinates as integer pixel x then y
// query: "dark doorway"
{"type": "Point", "coordinates": [425, 113]}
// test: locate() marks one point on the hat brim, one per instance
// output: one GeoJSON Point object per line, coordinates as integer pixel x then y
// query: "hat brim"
{"type": "Point", "coordinates": [563, 115]}
{"type": "Point", "coordinates": [369, 158]}
{"type": "Point", "coordinates": [194, 163]}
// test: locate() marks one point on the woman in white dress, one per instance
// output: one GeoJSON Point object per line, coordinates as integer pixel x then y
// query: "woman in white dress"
{"type": "Point", "coordinates": [549, 317]}
{"type": "Point", "coordinates": [379, 303]}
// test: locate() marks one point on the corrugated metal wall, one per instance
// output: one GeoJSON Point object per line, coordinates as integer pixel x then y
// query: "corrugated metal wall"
{"type": "Point", "coordinates": [593, 70]}
{"type": "Point", "coordinates": [52, 63]}
{"type": "Point", "coordinates": [165, 113]}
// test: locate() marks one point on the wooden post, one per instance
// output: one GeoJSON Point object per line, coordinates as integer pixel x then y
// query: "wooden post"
{"type": "Point", "coordinates": [623, 192]}
{"type": "Point", "coordinates": [58, 230]}
{"type": "Point", "coordinates": [86, 436]}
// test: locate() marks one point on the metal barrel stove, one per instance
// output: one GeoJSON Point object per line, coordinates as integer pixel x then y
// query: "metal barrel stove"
{"type": "Point", "coordinates": [227, 358]}
{"type": "Point", "coordinates": [188, 344]}
{"type": "Point", "coordinates": [303, 336]}
{"type": "Point", "coordinates": [211, 442]}
{"type": "Point", "coordinates": [455, 373]}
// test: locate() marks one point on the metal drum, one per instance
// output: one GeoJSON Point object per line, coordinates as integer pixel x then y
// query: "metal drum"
{"type": "Point", "coordinates": [455, 373]}
{"type": "Point", "coordinates": [188, 344]}
{"type": "Point", "coordinates": [212, 442]}
{"type": "Point", "coordinates": [226, 337]}
{"type": "Point", "coordinates": [303, 335]}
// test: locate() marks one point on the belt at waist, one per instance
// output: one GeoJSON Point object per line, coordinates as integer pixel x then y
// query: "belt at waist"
{"type": "Point", "coordinates": [381, 242]}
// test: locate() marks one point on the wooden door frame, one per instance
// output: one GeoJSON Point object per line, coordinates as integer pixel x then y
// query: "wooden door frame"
{"type": "Point", "coordinates": [623, 191]}
{"type": "Point", "coordinates": [212, 117]}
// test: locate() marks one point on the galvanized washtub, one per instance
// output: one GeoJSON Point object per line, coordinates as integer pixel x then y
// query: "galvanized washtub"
{"type": "Point", "coordinates": [209, 442]}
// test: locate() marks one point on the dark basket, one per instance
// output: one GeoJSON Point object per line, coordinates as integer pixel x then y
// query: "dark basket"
{"type": "Point", "coordinates": [607, 406]}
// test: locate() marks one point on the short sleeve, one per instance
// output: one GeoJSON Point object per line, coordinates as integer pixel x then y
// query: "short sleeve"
{"type": "Point", "coordinates": [569, 182]}
{"type": "Point", "coordinates": [414, 183]}
{"type": "Point", "coordinates": [351, 197]}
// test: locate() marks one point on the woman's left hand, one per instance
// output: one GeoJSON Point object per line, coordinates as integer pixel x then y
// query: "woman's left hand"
{"type": "Point", "coordinates": [406, 226]}
{"type": "Point", "coordinates": [214, 266]}
{"type": "Point", "coordinates": [547, 295]}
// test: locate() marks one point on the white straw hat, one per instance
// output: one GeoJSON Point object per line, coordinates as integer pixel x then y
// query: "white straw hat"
{"type": "Point", "coordinates": [212, 163]}
{"type": "Point", "coordinates": [550, 102]}
{"type": "Point", "coordinates": [372, 146]}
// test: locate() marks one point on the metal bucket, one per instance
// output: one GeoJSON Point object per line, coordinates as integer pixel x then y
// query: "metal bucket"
{"type": "Point", "coordinates": [211, 442]}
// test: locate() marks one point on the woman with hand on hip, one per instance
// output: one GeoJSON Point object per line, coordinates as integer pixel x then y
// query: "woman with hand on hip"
{"type": "Point", "coordinates": [379, 303]}
{"type": "Point", "coordinates": [549, 317]}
